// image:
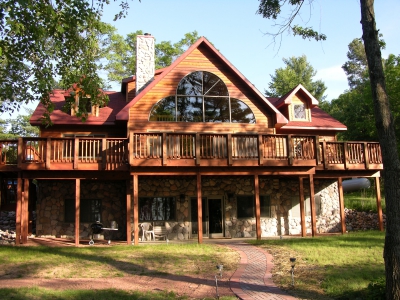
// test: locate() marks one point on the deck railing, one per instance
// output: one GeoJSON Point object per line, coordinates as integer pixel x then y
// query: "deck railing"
{"type": "Point", "coordinates": [9, 152]}
{"type": "Point", "coordinates": [58, 151]}
{"type": "Point", "coordinates": [189, 149]}
{"type": "Point", "coordinates": [350, 154]}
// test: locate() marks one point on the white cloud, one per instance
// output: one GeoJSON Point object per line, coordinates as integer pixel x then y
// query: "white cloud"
{"type": "Point", "coordinates": [334, 73]}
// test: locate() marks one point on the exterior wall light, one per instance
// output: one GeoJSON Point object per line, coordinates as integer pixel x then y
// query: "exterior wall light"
{"type": "Point", "coordinates": [182, 198]}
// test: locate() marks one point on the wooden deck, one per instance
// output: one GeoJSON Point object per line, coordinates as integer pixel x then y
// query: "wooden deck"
{"type": "Point", "coordinates": [187, 150]}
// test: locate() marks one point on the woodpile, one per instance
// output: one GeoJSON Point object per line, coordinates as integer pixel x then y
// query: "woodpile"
{"type": "Point", "coordinates": [360, 220]}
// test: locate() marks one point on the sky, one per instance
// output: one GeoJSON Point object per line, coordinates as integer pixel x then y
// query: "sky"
{"type": "Point", "coordinates": [241, 35]}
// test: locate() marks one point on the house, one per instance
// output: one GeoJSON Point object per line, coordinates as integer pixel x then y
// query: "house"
{"type": "Point", "coordinates": [194, 149]}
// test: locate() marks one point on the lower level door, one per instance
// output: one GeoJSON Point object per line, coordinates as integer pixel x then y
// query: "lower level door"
{"type": "Point", "coordinates": [215, 224]}
{"type": "Point", "coordinates": [211, 217]}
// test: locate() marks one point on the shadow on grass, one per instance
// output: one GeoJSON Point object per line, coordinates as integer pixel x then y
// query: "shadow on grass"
{"type": "Point", "coordinates": [45, 294]}
{"type": "Point", "coordinates": [104, 256]}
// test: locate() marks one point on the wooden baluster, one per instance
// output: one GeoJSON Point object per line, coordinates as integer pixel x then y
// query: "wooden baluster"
{"type": "Point", "coordinates": [366, 156]}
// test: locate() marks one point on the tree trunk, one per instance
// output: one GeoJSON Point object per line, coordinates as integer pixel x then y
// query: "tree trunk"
{"type": "Point", "coordinates": [387, 139]}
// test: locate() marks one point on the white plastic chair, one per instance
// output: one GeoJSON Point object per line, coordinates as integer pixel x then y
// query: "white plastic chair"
{"type": "Point", "coordinates": [146, 229]}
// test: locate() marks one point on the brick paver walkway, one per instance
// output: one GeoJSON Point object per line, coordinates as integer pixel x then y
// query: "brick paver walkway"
{"type": "Point", "coordinates": [253, 278]}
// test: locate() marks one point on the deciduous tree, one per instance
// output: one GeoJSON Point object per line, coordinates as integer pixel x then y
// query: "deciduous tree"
{"type": "Point", "coordinates": [120, 53]}
{"type": "Point", "coordinates": [297, 71]}
{"type": "Point", "coordinates": [44, 41]}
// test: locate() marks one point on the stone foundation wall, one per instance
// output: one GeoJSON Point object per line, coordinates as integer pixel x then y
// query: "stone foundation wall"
{"type": "Point", "coordinates": [178, 229]}
{"type": "Point", "coordinates": [282, 193]}
{"type": "Point", "coordinates": [51, 209]}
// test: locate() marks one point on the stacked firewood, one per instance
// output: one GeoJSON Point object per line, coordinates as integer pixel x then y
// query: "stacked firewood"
{"type": "Point", "coordinates": [357, 220]}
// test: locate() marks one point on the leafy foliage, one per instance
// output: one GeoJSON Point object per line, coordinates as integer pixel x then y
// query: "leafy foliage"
{"type": "Point", "coordinates": [356, 68]}
{"type": "Point", "coordinates": [271, 9]}
{"type": "Point", "coordinates": [361, 125]}
{"type": "Point", "coordinates": [42, 42]}
{"type": "Point", "coordinates": [18, 127]}
{"type": "Point", "coordinates": [297, 71]}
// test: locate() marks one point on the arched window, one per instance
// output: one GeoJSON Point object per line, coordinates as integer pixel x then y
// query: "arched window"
{"type": "Point", "coordinates": [241, 112]}
{"type": "Point", "coordinates": [201, 97]}
{"type": "Point", "coordinates": [164, 110]}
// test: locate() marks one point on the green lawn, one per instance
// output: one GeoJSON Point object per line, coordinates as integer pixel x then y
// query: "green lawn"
{"type": "Point", "coordinates": [339, 266]}
{"type": "Point", "coordinates": [363, 200]}
{"type": "Point", "coordinates": [328, 267]}
{"type": "Point", "coordinates": [191, 260]}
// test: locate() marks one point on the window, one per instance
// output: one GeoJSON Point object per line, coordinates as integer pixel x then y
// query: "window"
{"type": "Point", "coordinates": [307, 206]}
{"type": "Point", "coordinates": [241, 113]}
{"type": "Point", "coordinates": [85, 104]}
{"type": "Point", "coordinates": [300, 112]}
{"type": "Point", "coordinates": [164, 110]}
{"type": "Point", "coordinates": [156, 208]}
{"type": "Point", "coordinates": [90, 210]}
{"type": "Point", "coordinates": [245, 207]}
{"type": "Point", "coordinates": [265, 206]}
{"type": "Point", "coordinates": [201, 97]}
{"type": "Point", "coordinates": [8, 191]}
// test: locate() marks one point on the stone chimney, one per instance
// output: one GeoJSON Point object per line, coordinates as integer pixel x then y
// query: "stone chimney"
{"type": "Point", "coordinates": [145, 66]}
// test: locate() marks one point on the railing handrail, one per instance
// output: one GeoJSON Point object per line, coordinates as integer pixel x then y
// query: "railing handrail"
{"type": "Point", "coordinates": [296, 149]}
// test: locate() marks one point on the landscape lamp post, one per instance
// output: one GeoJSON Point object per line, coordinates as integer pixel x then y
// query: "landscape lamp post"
{"type": "Point", "coordinates": [219, 268]}
{"type": "Point", "coordinates": [293, 261]}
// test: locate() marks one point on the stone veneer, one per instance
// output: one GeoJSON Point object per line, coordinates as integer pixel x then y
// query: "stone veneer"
{"type": "Point", "coordinates": [50, 207]}
{"type": "Point", "coordinates": [282, 192]}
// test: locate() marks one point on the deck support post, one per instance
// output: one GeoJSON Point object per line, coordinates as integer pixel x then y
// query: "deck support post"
{"type": "Point", "coordinates": [341, 206]}
{"type": "Point", "coordinates": [77, 209]}
{"type": "Point", "coordinates": [136, 209]}
{"type": "Point", "coordinates": [199, 210]}
{"type": "Point", "coordinates": [18, 211]}
{"type": "Point", "coordinates": [378, 202]}
{"type": "Point", "coordinates": [128, 213]}
{"type": "Point", "coordinates": [312, 204]}
{"type": "Point", "coordinates": [302, 210]}
{"type": "Point", "coordinates": [25, 212]}
{"type": "Point", "coordinates": [258, 209]}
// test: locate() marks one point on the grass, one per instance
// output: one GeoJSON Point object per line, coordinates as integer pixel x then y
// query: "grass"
{"type": "Point", "coordinates": [47, 294]}
{"type": "Point", "coordinates": [363, 200]}
{"type": "Point", "coordinates": [329, 267]}
{"type": "Point", "coordinates": [117, 261]}
{"type": "Point", "coordinates": [193, 260]}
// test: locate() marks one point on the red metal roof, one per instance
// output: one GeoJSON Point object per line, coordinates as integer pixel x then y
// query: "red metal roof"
{"type": "Point", "coordinates": [106, 114]}
{"type": "Point", "coordinates": [118, 110]}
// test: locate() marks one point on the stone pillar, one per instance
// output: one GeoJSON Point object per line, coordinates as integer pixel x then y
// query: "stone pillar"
{"type": "Point", "coordinates": [145, 66]}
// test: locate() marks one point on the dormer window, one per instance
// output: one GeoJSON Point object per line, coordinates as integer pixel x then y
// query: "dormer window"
{"type": "Point", "coordinates": [84, 104]}
{"type": "Point", "coordinates": [299, 111]}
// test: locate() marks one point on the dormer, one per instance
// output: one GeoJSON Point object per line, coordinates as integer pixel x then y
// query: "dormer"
{"type": "Point", "coordinates": [79, 99]}
{"type": "Point", "coordinates": [299, 110]}
{"type": "Point", "coordinates": [297, 104]}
